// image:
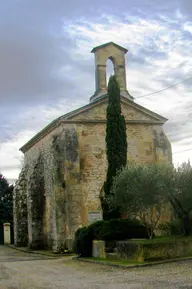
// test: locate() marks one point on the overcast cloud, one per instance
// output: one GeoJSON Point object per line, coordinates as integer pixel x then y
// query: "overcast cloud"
{"type": "Point", "coordinates": [46, 68]}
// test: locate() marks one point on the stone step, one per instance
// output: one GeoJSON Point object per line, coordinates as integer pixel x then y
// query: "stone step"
{"type": "Point", "coordinates": [111, 256]}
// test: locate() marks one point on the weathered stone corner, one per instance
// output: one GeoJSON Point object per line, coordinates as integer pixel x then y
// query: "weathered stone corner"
{"type": "Point", "coordinates": [36, 205]}
{"type": "Point", "coordinates": [20, 215]}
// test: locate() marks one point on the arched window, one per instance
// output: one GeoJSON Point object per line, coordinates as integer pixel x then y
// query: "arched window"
{"type": "Point", "coordinates": [110, 69]}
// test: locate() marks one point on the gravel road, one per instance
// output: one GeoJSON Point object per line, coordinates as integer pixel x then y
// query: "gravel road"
{"type": "Point", "coordinates": [31, 271]}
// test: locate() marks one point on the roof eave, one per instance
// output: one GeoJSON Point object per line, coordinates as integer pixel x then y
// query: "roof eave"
{"type": "Point", "coordinates": [106, 44]}
{"type": "Point", "coordinates": [69, 115]}
{"type": "Point", "coordinates": [144, 109]}
{"type": "Point", "coordinates": [49, 127]}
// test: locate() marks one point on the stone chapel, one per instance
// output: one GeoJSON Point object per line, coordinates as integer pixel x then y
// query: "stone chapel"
{"type": "Point", "coordinates": [60, 184]}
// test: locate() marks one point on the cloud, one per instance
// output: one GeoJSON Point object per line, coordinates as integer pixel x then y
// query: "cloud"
{"type": "Point", "coordinates": [30, 61]}
{"type": "Point", "coordinates": [135, 32]}
{"type": "Point", "coordinates": [185, 7]}
{"type": "Point", "coordinates": [10, 157]}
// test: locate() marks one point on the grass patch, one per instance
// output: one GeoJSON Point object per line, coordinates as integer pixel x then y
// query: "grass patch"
{"type": "Point", "coordinates": [134, 263]}
{"type": "Point", "coordinates": [161, 239]}
{"type": "Point", "coordinates": [118, 262]}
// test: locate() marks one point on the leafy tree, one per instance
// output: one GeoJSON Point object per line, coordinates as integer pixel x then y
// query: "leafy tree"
{"type": "Point", "coordinates": [116, 142]}
{"type": "Point", "coordinates": [138, 191]}
{"type": "Point", "coordinates": [142, 190]}
{"type": "Point", "coordinates": [6, 200]}
{"type": "Point", "coordinates": [180, 196]}
{"type": "Point", "coordinates": [177, 188]}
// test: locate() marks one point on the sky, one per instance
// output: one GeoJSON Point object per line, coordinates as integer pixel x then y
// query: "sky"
{"type": "Point", "coordinates": [46, 68]}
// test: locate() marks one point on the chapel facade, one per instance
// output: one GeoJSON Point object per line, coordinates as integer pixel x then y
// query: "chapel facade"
{"type": "Point", "coordinates": [60, 184]}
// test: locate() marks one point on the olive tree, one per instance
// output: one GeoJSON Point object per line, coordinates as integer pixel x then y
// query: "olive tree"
{"type": "Point", "coordinates": [139, 191]}
{"type": "Point", "coordinates": [6, 200]}
{"type": "Point", "coordinates": [180, 196]}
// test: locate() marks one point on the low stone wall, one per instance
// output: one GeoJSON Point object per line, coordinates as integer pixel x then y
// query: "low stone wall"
{"type": "Point", "coordinates": [151, 250]}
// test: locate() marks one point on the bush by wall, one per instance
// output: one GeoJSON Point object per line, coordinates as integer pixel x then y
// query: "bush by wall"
{"type": "Point", "coordinates": [112, 230]}
{"type": "Point", "coordinates": [83, 242]}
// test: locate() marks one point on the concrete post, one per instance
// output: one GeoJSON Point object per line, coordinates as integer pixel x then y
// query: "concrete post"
{"type": "Point", "coordinates": [98, 249]}
{"type": "Point", "coordinates": [7, 234]}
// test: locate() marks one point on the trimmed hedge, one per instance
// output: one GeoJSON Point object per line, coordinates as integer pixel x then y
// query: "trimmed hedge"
{"type": "Point", "coordinates": [112, 230]}
{"type": "Point", "coordinates": [118, 229]}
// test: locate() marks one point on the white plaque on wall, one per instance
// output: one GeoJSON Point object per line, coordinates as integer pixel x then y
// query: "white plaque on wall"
{"type": "Point", "coordinates": [94, 216]}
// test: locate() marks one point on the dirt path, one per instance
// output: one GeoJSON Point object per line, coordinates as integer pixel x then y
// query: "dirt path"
{"type": "Point", "coordinates": [24, 271]}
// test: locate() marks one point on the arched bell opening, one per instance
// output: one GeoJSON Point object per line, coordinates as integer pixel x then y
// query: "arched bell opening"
{"type": "Point", "coordinates": [110, 69]}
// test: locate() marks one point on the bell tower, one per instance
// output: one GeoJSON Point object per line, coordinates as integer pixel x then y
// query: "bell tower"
{"type": "Point", "coordinates": [116, 54]}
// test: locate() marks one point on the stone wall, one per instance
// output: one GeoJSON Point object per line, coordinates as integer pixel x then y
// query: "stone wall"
{"type": "Point", "coordinates": [154, 250]}
{"type": "Point", "coordinates": [93, 163]}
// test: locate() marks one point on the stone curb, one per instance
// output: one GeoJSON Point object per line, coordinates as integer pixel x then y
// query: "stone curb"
{"type": "Point", "coordinates": [36, 252]}
{"type": "Point", "coordinates": [131, 266]}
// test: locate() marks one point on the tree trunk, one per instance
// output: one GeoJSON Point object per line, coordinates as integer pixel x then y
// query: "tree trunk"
{"type": "Point", "coordinates": [150, 233]}
{"type": "Point", "coordinates": [183, 215]}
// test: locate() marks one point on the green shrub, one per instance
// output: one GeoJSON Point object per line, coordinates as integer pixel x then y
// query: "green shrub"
{"type": "Point", "coordinates": [83, 242]}
{"type": "Point", "coordinates": [118, 229]}
{"type": "Point", "coordinates": [112, 230]}
{"type": "Point", "coordinates": [173, 228]}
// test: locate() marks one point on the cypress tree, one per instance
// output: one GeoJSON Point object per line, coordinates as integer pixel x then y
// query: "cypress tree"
{"type": "Point", "coordinates": [6, 200]}
{"type": "Point", "coordinates": [116, 142]}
